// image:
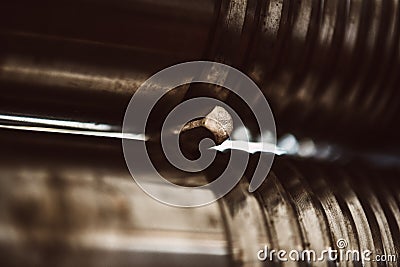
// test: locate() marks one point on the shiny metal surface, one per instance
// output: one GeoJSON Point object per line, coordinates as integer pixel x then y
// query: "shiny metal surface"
{"type": "Point", "coordinates": [322, 64]}
{"type": "Point", "coordinates": [84, 215]}
{"type": "Point", "coordinates": [60, 210]}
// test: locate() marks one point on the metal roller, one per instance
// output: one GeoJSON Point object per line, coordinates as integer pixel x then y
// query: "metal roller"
{"type": "Point", "coordinates": [322, 64]}
{"type": "Point", "coordinates": [66, 210]}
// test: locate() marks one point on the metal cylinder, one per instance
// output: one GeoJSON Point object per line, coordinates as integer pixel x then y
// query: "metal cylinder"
{"type": "Point", "coordinates": [322, 64]}
{"type": "Point", "coordinates": [63, 210]}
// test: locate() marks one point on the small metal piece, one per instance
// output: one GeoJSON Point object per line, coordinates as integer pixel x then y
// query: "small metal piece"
{"type": "Point", "coordinates": [219, 122]}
